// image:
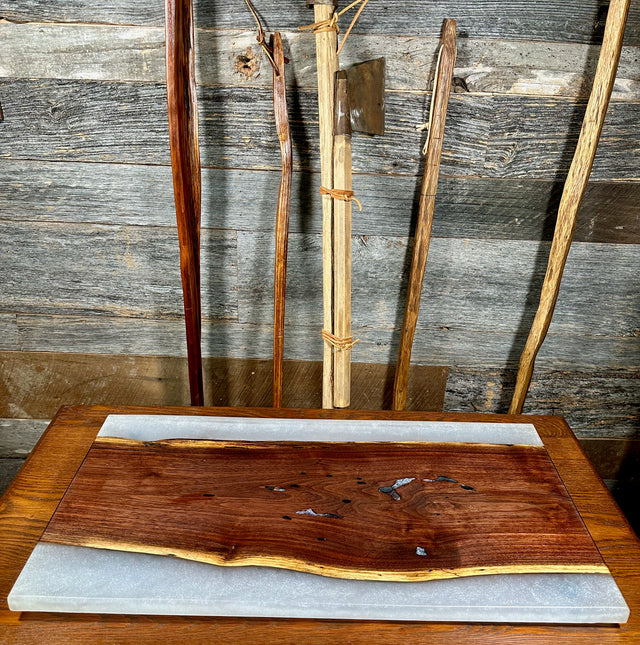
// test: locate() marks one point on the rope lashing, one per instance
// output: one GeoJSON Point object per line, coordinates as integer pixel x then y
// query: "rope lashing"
{"type": "Point", "coordinates": [342, 195]}
{"type": "Point", "coordinates": [331, 24]}
{"type": "Point", "coordinates": [341, 344]}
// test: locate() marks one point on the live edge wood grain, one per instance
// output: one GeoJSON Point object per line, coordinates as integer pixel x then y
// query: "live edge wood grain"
{"type": "Point", "coordinates": [29, 503]}
{"type": "Point", "coordinates": [377, 511]}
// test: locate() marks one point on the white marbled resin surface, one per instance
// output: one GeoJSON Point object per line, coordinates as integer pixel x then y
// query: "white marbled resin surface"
{"type": "Point", "coordinates": [79, 579]}
{"type": "Point", "coordinates": [156, 427]}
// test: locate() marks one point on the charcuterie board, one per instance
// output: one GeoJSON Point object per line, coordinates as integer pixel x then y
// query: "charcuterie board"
{"type": "Point", "coordinates": [403, 520]}
{"type": "Point", "coordinates": [363, 510]}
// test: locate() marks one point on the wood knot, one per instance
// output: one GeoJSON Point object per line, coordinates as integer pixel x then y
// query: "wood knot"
{"type": "Point", "coordinates": [247, 64]}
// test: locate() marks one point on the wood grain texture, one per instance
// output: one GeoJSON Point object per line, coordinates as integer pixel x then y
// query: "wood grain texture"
{"type": "Point", "coordinates": [158, 380]}
{"type": "Point", "coordinates": [500, 509]}
{"type": "Point", "coordinates": [342, 180]}
{"type": "Point", "coordinates": [327, 65]}
{"type": "Point", "coordinates": [117, 269]}
{"type": "Point", "coordinates": [106, 335]}
{"type": "Point", "coordinates": [489, 136]}
{"type": "Point", "coordinates": [615, 459]}
{"type": "Point", "coordinates": [574, 187]}
{"type": "Point", "coordinates": [533, 52]}
{"type": "Point", "coordinates": [476, 208]}
{"type": "Point", "coordinates": [282, 216]}
{"type": "Point", "coordinates": [19, 436]}
{"type": "Point", "coordinates": [573, 21]}
{"type": "Point", "coordinates": [55, 307]}
{"type": "Point", "coordinates": [462, 272]}
{"type": "Point", "coordinates": [9, 335]}
{"type": "Point", "coordinates": [185, 165]}
{"type": "Point", "coordinates": [22, 521]}
{"type": "Point", "coordinates": [230, 57]}
{"type": "Point", "coordinates": [614, 393]}
{"type": "Point", "coordinates": [422, 238]}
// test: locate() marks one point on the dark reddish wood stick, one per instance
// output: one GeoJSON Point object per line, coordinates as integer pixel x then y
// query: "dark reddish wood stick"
{"type": "Point", "coordinates": [282, 216]}
{"type": "Point", "coordinates": [440, 101]}
{"type": "Point", "coordinates": [185, 164]}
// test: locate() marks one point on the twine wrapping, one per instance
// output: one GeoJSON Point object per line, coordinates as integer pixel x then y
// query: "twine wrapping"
{"type": "Point", "coordinates": [261, 39]}
{"type": "Point", "coordinates": [331, 24]}
{"type": "Point", "coordinates": [341, 344]}
{"type": "Point", "coordinates": [342, 195]}
{"type": "Point", "coordinates": [433, 100]}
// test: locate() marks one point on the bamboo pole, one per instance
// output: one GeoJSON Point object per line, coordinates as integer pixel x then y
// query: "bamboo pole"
{"type": "Point", "coordinates": [327, 63]}
{"type": "Point", "coordinates": [574, 188]}
{"type": "Point", "coordinates": [342, 244]}
{"type": "Point", "coordinates": [433, 153]}
{"type": "Point", "coordinates": [185, 164]}
{"type": "Point", "coordinates": [282, 216]}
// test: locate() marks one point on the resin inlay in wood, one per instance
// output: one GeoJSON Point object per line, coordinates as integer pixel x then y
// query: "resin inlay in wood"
{"type": "Point", "coordinates": [392, 511]}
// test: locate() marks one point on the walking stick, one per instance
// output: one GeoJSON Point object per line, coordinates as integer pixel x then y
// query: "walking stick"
{"type": "Point", "coordinates": [342, 246]}
{"type": "Point", "coordinates": [327, 63]}
{"type": "Point", "coordinates": [282, 216]}
{"type": "Point", "coordinates": [433, 153]}
{"type": "Point", "coordinates": [574, 188]}
{"type": "Point", "coordinates": [185, 165]}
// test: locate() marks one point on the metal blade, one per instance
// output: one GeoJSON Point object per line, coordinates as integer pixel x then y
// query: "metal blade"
{"type": "Point", "coordinates": [366, 96]}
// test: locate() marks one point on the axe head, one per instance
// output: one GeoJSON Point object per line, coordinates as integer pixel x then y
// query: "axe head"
{"type": "Point", "coordinates": [365, 89]}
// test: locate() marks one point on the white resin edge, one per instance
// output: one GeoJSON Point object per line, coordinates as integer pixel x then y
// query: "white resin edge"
{"type": "Point", "coordinates": [79, 579]}
{"type": "Point", "coordinates": [157, 427]}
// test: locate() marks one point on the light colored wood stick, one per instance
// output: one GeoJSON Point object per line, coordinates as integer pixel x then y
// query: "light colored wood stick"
{"type": "Point", "coordinates": [185, 166]}
{"type": "Point", "coordinates": [327, 64]}
{"type": "Point", "coordinates": [574, 188]}
{"type": "Point", "coordinates": [282, 216]}
{"type": "Point", "coordinates": [342, 245]}
{"type": "Point", "coordinates": [433, 153]}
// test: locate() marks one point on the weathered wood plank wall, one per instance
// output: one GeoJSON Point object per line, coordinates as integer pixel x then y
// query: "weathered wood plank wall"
{"type": "Point", "coordinates": [89, 259]}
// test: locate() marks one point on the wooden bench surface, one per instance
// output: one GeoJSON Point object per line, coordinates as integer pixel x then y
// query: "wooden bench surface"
{"type": "Point", "coordinates": [34, 495]}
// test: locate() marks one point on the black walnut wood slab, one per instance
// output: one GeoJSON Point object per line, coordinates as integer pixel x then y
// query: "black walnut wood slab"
{"type": "Point", "coordinates": [384, 511]}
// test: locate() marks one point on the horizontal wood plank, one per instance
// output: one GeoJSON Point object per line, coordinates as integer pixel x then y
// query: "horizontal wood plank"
{"type": "Point", "coordinates": [18, 436]}
{"type": "Point", "coordinates": [9, 337]}
{"type": "Point", "coordinates": [467, 207]}
{"type": "Point", "coordinates": [491, 136]}
{"type": "Point", "coordinates": [432, 345]}
{"type": "Point", "coordinates": [596, 403]}
{"type": "Point", "coordinates": [119, 270]}
{"type": "Point", "coordinates": [616, 460]}
{"type": "Point", "coordinates": [562, 383]}
{"type": "Point", "coordinates": [128, 53]}
{"type": "Point", "coordinates": [462, 289]}
{"type": "Point", "coordinates": [553, 20]}
{"type": "Point", "coordinates": [162, 380]}
{"type": "Point", "coordinates": [132, 272]}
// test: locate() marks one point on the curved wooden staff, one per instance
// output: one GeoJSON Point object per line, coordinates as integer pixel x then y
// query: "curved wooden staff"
{"type": "Point", "coordinates": [433, 153]}
{"type": "Point", "coordinates": [185, 164]}
{"type": "Point", "coordinates": [574, 188]}
{"type": "Point", "coordinates": [282, 215]}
